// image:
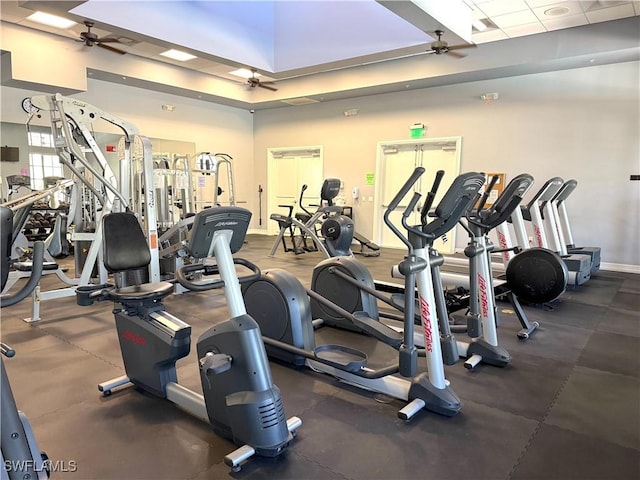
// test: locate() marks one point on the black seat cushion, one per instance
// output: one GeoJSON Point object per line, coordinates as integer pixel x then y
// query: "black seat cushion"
{"type": "Point", "coordinates": [125, 246]}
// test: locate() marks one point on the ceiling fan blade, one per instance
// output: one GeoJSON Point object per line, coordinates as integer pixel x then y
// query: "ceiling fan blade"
{"type": "Point", "coordinates": [461, 47]}
{"type": "Point", "coordinates": [110, 48]}
{"type": "Point", "coordinates": [108, 40]}
{"type": "Point", "coordinates": [268, 87]}
{"type": "Point", "coordinates": [456, 54]}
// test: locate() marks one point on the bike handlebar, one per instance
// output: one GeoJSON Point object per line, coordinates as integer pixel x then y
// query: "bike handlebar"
{"type": "Point", "coordinates": [218, 283]}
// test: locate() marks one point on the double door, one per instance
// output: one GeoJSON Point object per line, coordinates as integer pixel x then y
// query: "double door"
{"type": "Point", "coordinates": [396, 160]}
{"type": "Point", "coordinates": [288, 170]}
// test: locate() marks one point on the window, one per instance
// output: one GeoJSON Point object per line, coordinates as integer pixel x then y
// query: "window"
{"type": "Point", "coordinates": [43, 161]}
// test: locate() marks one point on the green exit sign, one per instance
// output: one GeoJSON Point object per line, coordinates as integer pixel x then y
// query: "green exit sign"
{"type": "Point", "coordinates": [417, 130]}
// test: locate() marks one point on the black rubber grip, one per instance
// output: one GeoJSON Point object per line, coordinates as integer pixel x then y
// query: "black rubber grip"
{"type": "Point", "coordinates": [487, 192]}
{"type": "Point", "coordinates": [412, 205]}
{"type": "Point", "coordinates": [431, 196]}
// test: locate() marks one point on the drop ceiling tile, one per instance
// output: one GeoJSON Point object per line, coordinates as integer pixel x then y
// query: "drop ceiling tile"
{"type": "Point", "coordinates": [478, 14]}
{"type": "Point", "coordinates": [513, 19]}
{"type": "Point", "coordinates": [612, 13]}
{"type": "Point", "coordinates": [565, 22]}
{"type": "Point", "coordinates": [590, 5]}
{"type": "Point", "coordinates": [502, 7]}
{"type": "Point", "coordinates": [523, 30]}
{"type": "Point", "coordinates": [489, 36]}
{"type": "Point", "coordinates": [574, 8]}
{"type": "Point", "coordinates": [539, 3]}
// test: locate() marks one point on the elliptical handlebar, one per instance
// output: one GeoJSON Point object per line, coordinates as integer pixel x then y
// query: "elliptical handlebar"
{"type": "Point", "coordinates": [417, 173]}
{"type": "Point", "coordinates": [424, 213]}
{"type": "Point", "coordinates": [487, 192]}
{"type": "Point", "coordinates": [302, 190]}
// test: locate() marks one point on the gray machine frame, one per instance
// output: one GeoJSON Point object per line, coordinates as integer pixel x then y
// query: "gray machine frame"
{"type": "Point", "coordinates": [21, 458]}
{"type": "Point", "coordinates": [565, 234]}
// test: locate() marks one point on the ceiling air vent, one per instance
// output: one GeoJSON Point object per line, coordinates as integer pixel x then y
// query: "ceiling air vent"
{"type": "Point", "coordinates": [299, 101]}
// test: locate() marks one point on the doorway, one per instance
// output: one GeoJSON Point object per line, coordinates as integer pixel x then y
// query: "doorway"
{"type": "Point", "coordinates": [395, 161]}
{"type": "Point", "coordinates": [288, 169]}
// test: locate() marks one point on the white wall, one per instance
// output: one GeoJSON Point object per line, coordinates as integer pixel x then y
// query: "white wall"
{"type": "Point", "coordinates": [580, 123]}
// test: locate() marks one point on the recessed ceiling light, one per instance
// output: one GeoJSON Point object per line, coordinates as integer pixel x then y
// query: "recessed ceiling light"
{"type": "Point", "coordinates": [178, 55]}
{"type": "Point", "coordinates": [51, 20]}
{"type": "Point", "coordinates": [556, 11]}
{"type": "Point", "coordinates": [245, 73]}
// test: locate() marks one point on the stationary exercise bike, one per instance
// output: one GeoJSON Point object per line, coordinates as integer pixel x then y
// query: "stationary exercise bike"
{"type": "Point", "coordinates": [240, 401]}
{"type": "Point", "coordinates": [280, 305]}
{"type": "Point", "coordinates": [21, 458]}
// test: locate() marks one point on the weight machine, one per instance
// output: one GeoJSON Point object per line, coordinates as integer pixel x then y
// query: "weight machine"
{"type": "Point", "coordinates": [172, 183]}
{"type": "Point", "coordinates": [211, 164]}
{"type": "Point", "coordinates": [96, 191]}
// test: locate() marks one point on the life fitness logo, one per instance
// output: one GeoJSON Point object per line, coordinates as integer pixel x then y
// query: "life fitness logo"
{"type": "Point", "coordinates": [538, 235]}
{"type": "Point", "coordinates": [502, 239]}
{"type": "Point", "coordinates": [425, 313]}
{"type": "Point", "coordinates": [484, 303]}
{"type": "Point", "coordinates": [132, 337]}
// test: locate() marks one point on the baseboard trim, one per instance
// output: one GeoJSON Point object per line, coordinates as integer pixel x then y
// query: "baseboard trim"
{"type": "Point", "coordinates": [620, 267]}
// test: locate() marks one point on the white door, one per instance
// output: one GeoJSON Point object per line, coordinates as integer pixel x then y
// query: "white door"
{"type": "Point", "coordinates": [288, 170]}
{"type": "Point", "coordinates": [396, 162]}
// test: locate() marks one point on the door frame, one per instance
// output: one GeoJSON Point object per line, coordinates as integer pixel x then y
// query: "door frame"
{"type": "Point", "coordinates": [273, 153]}
{"type": "Point", "coordinates": [378, 211]}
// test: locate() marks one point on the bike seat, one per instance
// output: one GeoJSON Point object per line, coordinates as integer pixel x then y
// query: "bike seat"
{"type": "Point", "coordinates": [145, 291]}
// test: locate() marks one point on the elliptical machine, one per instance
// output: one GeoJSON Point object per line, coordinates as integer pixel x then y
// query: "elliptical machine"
{"type": "Point", "coordinates": [533, 275]}
{"type": "Point", "coordinates": [336, 232]}
{"type": "Point", "coordinates": [240, 401]}
{"type": "Point", "coordinates": [21, 458]}
{"type": "Point", "coordinates": [280, 304]}
{"type": "Point", "coordinates": [348, 283]}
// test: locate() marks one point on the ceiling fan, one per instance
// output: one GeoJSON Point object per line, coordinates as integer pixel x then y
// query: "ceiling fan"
{"type": "Point", "coordinates": [440, 47]}
{"type": "Point", "coordinates": [254, 82]}
{"type": "Point", "coordinates": [90, 39]}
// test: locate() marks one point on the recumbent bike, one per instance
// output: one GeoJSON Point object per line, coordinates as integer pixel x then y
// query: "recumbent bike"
{"type": "Point", "coordinates": [240, 401]}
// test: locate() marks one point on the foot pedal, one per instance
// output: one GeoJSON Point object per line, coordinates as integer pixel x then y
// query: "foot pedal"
{"type": "Point", "coordinates": [341, 357]}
